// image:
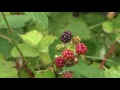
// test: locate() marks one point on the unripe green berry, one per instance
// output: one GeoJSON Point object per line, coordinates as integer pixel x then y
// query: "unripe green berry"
{"type": "Point", "coordinates": [60, 47]}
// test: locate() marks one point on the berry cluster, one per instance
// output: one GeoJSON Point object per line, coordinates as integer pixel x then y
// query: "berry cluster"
{"type": "Point", "coordinates": [69, 57]}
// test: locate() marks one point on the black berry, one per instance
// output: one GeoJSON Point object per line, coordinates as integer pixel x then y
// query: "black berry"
{"type": "Point", "coordinates": [66, 37]}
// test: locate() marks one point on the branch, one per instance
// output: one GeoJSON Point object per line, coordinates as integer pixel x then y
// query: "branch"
{"type": "Point", "coordinates": [108, 54]}
{"type": "Point", "coordinates": [5, 37]}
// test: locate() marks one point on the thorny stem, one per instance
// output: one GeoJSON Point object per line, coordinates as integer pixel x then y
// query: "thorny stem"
{"type": "Point", "coordinates": [108, 54]}
{"type": "Point", "coordinates": [11, 31]}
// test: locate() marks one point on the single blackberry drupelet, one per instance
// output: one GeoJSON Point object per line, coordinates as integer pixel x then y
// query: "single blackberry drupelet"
{"type": "Point", "coordinates": [66, 36]}
{"type": "Point", "coordinates": [60, 62]}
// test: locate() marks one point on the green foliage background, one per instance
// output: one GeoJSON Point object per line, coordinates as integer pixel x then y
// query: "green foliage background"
{"type": "Point", "coordinates": [37, 34]}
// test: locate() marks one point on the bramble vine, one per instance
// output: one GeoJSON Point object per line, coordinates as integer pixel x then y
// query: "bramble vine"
{"type": "Point", "coordinates": [59, 45]}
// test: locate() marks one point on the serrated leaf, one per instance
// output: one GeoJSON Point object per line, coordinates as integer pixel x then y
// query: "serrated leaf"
{"type": "Point", "coordinates": [45, 74]}
{"type": "Point", "coordinates": [44, 44]}
{"type": "Point", "coordinates": [79, 28]}
{"type": "Point", "coordinates": [27, 51]}
{"type": "Point", "coordinates": [112, 26]}
{"type": "Point", "coordinates": [32, 38]}
{"type": "Point", "coordinates": [15, 21]}
{"type": "Point", "coordinates": [65, 21]}
{"type": "Point", "coordinates": [86, 71]}
{"type": "Point", "coordinates": [40, 17]}
{"type": "Point", "coordinates": [6, 69]}
{"type": "Point", "coordinates": [112, 73]}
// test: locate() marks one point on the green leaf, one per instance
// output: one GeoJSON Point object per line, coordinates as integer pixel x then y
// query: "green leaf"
{"type": "Point", "coordinates": [6, 69]}
{"type": "Point", "coordinates": [40, 17]}
{"type": "Point", "coordinates": [15, 21]}
{"type": "Point", "coordinates": [45, 74]}
{"type": "Point", "coordinates": [32, 38]}
{"type": "Point", "coordinates": [112, 26]}
{"type": "Point", "coordinates": [44, 44]}
{"type": "Point", "coordinates": [23, 74]}
{"type": "Point", "coordinates": [27, 51]}
{"type": "Point", "coordinates": [84, 70]}
{"type": "Point", "coordinates": [112, 73]}
{"type": "Point", "coordinates": [65, 21]}
{"type": "Point", "coordinates": [5, 47]}
{"type": "Point", "coordinates": [52, 50]}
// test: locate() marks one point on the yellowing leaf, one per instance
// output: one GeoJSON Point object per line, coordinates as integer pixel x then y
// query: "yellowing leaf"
{"type": "Point", "coordinates": [32, 38]}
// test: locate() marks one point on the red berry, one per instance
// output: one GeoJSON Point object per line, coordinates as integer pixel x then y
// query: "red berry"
{"type": "Point", "coordinates": [60, 62]}
{"type": "Point", "coordinates": [81, 48]}
{"type": "Point", "coordinates": [68, 55]}
{"type": "Point", "coordinates": [67, 74]}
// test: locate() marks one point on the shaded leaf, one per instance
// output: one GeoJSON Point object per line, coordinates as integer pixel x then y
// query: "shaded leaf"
{"type": "Point", "coordinates": [40, 17]}
{"type": "Point", "coordinates": [7, 69]}
{"type": "Point", "coordinates": [15, 21]}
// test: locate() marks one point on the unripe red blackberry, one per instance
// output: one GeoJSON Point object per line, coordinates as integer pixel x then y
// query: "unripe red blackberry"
{"type": "Point", "coordinates": [66, 36]}
{"type": "Point", "coordinates": [60, 62]}
{"type": "Point", "coordinates": [68, 55]}
{"type": "Point", "coordinates": [76, 40]}
{"type": "Point", "coordinates": [67, 74]}
{"type": "Point", "coordinates": [81, 48]}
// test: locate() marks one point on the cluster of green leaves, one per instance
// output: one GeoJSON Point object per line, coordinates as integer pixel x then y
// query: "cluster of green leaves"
{"type": "Point", "coordinates": [37, 34]}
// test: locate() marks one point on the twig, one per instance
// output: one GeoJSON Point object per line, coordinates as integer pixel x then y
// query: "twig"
{"type": "Point", "coordinates": [100, 59]}
{"type": "Point", "coordinates": [108, 54]}
{"type": "Point", "coordinates": [5, 37]}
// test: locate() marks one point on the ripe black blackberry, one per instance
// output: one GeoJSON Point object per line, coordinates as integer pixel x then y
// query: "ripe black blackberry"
{"type": "Point", "coordinates": [66, 36]}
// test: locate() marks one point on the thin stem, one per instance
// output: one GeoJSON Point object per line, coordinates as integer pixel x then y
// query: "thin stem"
{"type": "Point", "coordinates": [108, 54]}
{"type": "Point", "coordinates": [94, 26]}
{"type": "Point", "coordinates": [5, 37]}
{"type": "Point", "coordinates": [10, 31]}
{"type": "Point", "coordinates": [100, 59]}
